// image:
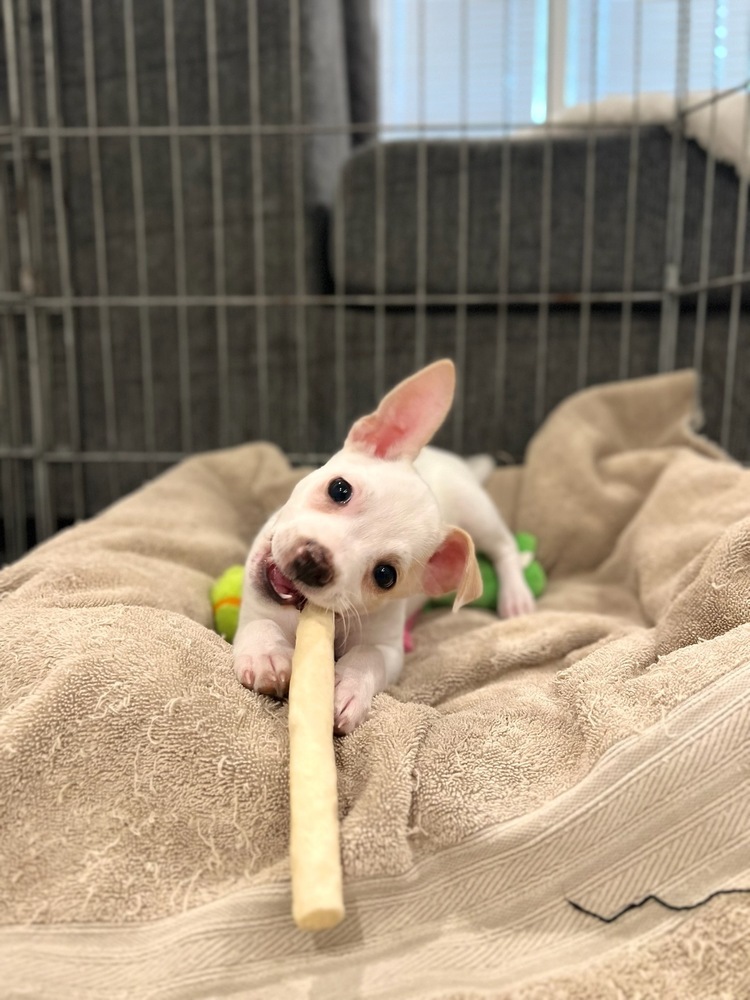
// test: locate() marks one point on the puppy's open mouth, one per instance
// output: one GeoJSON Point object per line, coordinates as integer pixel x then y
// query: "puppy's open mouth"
{"type": "Point", "coordinates": [281, 587]}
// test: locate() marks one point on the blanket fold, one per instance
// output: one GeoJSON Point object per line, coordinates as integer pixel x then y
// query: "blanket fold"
{"type": "Point", "coordinates": [592, 751]}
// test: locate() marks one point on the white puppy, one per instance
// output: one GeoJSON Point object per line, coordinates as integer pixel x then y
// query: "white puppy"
{"type": "Point", "coordinates": [382, 524]}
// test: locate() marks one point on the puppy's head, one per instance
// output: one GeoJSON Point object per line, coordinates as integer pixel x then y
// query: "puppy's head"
{"type": "Point", "coordinates": [365, 528]}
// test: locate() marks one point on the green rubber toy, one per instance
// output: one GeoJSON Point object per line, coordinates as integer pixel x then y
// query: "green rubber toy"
{"type": "Point", "coordinates": [226, 594]}
{"type": "Point", "coordinates": [535, 576]}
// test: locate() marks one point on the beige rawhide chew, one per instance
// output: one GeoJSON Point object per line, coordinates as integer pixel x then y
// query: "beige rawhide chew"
{"type": "Point", "coordinates": [317, 895]}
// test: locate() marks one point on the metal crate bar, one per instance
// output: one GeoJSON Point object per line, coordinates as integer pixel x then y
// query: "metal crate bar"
{"type": "Point", "coordinates": [178, 212]}
{"type": "Point", "coordinates": [589, 198]}
{"type": "Point", "coordinates": [217, 202]}
{"type": "Point", "coordinates": [503, 275]}
{"type": "Point", "coordinates": [462, 235]}
{"type": "Point", "coordinates": [498, 127]}
{"type": "Point", "coordinates": [67, 457]}
{"type": "Point", "coordinates": [55, 303]}
{"type": "Point", "coordinates": [63, 255]}
{"type": "Point", "coordinates": [141, 246]}
{"type": "Point", "coordinates": [298, 189]}
{"type": "Point", "coordinates": [12, 484]}
{"type": "Point", "coordinates": [739, 262]}
{"type": "Point", "coordinates": [632, 199]}
{"type": "Point", "coordinates": [259, 243]}
{"type": "Point", "coordinates": [420, 318]}
{"type": "Point", "coordinates": [706, 229]}
{"type": "Point", "coordinates": [670, 314]}
{"type": "Point", "coordinates": [42, 498]}
{"type": "Point", "coordinates": [100, 246]}
{"type": "Point", "coordinates": [339, 321]}
{"type": "Point", "coordinates": [379, 300]}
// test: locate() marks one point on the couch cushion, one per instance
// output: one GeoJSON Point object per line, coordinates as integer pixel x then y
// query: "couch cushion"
{"type": "Point", "coordinates": [486, 162]}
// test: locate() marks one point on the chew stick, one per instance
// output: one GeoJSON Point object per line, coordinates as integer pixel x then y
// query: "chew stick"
{"type": "Point", "coordinates": [317, 896]}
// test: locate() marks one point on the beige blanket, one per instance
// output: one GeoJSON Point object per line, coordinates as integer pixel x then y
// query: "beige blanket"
{"type": "Point", "coordinates": [596, 751]}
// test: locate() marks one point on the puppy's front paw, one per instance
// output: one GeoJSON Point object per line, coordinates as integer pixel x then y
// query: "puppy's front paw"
{"type": "Point", "coordinates": [516, 599]}
{"type": "Point", "coordinates": [266, 672]}
{"type": "Point", "coordinates": [352, 699]}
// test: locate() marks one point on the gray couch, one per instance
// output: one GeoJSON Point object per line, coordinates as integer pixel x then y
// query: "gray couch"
{"type": "Point", "coordinates": [469, 264]}
{"type": "Point", "coordinates": [327, 358]}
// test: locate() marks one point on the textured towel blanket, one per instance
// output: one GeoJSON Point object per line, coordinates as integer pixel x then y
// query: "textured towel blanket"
{"type": "Point", "coordinates": [596, 751]}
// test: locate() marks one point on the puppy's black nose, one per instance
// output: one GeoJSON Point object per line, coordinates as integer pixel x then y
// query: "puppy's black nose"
{"type": "Point", "coordinates": [313, 564]}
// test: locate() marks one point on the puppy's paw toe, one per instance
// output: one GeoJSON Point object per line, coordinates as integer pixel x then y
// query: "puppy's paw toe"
{"type": "Point", "coordinates": [245, 667]}
{"type": "Point", "coordinates": [350, 705]}
{"type": "Point", "coordinates": [266, 673]}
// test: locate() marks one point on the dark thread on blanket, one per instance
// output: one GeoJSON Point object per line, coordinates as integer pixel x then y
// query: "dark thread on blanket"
{"type": "Point", "coordinates": [656, 899]}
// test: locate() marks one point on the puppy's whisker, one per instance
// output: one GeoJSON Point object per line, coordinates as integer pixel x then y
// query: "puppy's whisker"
{"type": "Point", "coordinates": [351, 615]}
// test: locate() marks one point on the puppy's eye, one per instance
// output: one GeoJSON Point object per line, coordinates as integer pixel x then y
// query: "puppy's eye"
{"type": "Point", "coordinates": [339, 491]}
{"type": "Point", "coordinates": [384, 576]}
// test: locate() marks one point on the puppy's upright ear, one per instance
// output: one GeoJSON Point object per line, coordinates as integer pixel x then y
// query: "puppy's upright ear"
{"type": "Point", "coordinates": [408, 416]}
{"type": "Point", "coordinates": [453, 566]}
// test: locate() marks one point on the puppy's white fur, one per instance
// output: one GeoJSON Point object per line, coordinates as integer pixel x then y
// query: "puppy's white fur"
{"type": "Point", "coordinates": [417, 509]}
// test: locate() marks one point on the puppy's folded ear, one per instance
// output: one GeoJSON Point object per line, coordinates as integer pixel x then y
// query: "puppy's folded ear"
{"type": "Point", "coordinates": [453, 566]}
{"type": "Point", "coordinates": [408, 416]}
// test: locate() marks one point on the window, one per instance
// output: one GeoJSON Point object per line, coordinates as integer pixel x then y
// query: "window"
{"type": "Point", "coordinates": [485, 65]}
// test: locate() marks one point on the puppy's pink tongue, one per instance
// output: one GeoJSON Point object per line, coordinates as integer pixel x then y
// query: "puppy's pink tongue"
{"type": "Point", "coordinates": [282, 584]}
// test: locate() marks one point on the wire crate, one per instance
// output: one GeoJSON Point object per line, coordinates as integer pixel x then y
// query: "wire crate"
{"type": "Point", "coordinates": [209, 235]}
